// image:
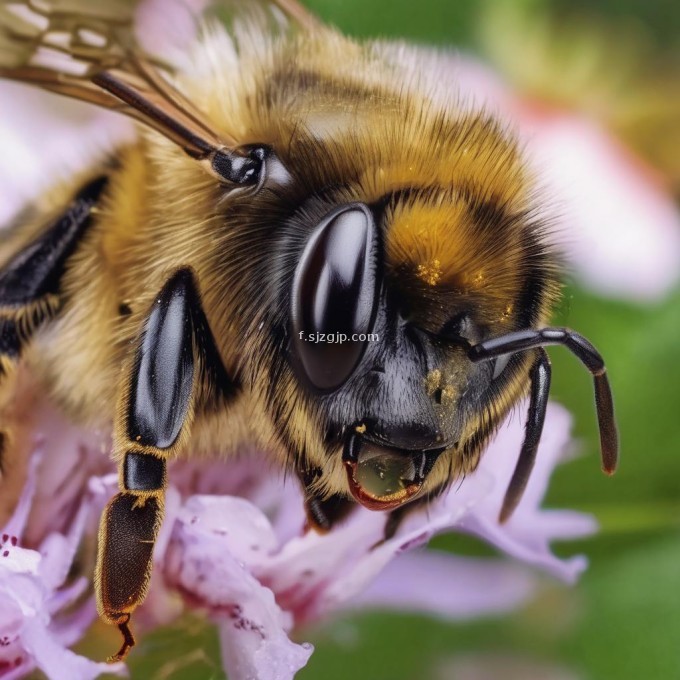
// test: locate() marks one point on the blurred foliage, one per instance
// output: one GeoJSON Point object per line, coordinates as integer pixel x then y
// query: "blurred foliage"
{"type": "Point", "coordinates": [623, 619]}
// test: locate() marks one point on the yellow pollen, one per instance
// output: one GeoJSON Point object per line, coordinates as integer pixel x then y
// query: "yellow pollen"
{"type": "Point", "coordinates": [448, 394]}
{"type": "Point", "coordinates": [430, 273]}
{"type": "Point", "coordinates": [433, 381]}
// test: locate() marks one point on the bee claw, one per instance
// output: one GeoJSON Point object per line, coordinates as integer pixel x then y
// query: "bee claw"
{"type": "Point", "coordinates": [128, 642]}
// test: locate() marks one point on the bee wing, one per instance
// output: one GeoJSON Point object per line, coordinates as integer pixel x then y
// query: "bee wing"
{"type": "Point", "coordinates": [88, 51]}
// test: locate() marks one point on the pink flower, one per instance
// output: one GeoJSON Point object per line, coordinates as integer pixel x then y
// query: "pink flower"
{"type": "Point", "coordinates": [233, 545]}
{"type": "Point", "coordinates": [621, 228]}
{"type": "Point", "coordinates": [41, 611]}
{"type": "Point", "coordinates": [247, 561]}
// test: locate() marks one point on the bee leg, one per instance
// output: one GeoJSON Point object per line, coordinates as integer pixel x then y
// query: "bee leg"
{"type": "Point", "coordinates": [30, 281]}
{"type": "Point", "coordinates": [29, 297]}
{"type": "Point", "coordinates": [538, 402]}
{"type": "Point", "coordinates": [154, 413]}
{"type": "Point", "coordinates": [324, 514]}
{"type": "Point", "coordinates": [399, 514]}
{"type": "Point", "coordinates": [127, 534]}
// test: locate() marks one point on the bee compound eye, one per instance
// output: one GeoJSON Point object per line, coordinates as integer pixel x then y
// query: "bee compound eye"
{"type": "Point", "coordinates": [334, 297]}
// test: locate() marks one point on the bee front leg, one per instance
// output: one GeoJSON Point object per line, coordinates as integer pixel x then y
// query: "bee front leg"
{"type": "Point", "coordinates": [127, 534]}
{"type": "Point", "coordinates": [154, 417]}
{"type": "Point", "coordinates": [324, 514]}
{"type": "Point", "coordinates": [31, 297]}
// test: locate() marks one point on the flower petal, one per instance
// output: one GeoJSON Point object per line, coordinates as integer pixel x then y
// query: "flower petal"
{"type": "Point", "coordinates": [529, 532]}
{"type": "Point", "coordinates": [58, 550]}
{"type": "Point", "coordinates": [18, 560]}
{"type": "Point", "coordinates": [499, 460]}
{"type": "Point", "coordinates": [46, 139]}
{"type": "Point", "coordinates": [59, 663]}
{"type": "Point", "coordinates": [621, 228]}
{"type": "Point", "coordinates": [447, 586]}
{"type": "Point", "coordinates": [214, 541]}
{"type": "Point", "coordinates": [245, 657]}
{"type": "Point", "coordinates": [17, 523]}
{"type": "Point", "coordinates": [536, 553]}
{"type": "Point", "coordinates": [360, 570]}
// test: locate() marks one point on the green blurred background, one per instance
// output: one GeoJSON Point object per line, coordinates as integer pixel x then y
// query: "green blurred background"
{"type": "Point", "coordinates": [622, 620]}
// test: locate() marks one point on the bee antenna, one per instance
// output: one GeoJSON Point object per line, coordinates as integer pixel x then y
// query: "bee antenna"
{"type": "Point", "coordinates": [101, 63]}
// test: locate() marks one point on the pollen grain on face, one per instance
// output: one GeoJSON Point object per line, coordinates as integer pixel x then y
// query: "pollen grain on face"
{"type": "Point", "coordinates": [448, 394]}
{"type": "Point", "coordinates": [507, 313]}
{"type": "Point", "coordinates": [431, 272]}
{"type": "Point", "coordinates": [433, 381]}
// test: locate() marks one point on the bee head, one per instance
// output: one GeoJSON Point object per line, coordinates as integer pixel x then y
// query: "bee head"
{"type": "Point", "coordinates": [385, 302]}
{"type": "Point", "coordinates": [383, 244]}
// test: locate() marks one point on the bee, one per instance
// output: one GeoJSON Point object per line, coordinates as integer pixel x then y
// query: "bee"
{"type": "Point", "coordinates": [306, 249]}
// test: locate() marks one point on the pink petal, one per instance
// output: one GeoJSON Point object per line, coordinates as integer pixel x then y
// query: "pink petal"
{"type": "Point", "coordinates": [46, 139]}
{"type": "Point", "coordinates": [22, 669]}
{"type": "Point", "coordinates": [529, 532]}
{"type": "Point", "coordinates": [169, 27]}
{"type": "Point", "coordinates": [69, 629]}
{"type": "Point", "coordinates": [58, 551]}
{"type": "Point", "coordinates": [535, 553]}
{"type": "Point", "coordinates": [308, 566]}
{"type": "Point", "coordinates": [214, 540]}
{"type": "Point", "coordinates": [17, 560]}
{"type": "Point", "coordinates": [500, 458]}
{"type": "Point", "coordinates": [17, 523]}
{"type": "Point", "coordinates": [447, 586]}
{"type": "Point", "coordinates": [59, 663]}
{"type": "Point", "coordinates": [70, 456]}
{"type": "Point", "coordinates": [11, 618]}
{"type": "Point", "coordinates": [65, 597]}
{"type": "Point", "coordinates": [252, 477]}
{"type": "Point", "coordinates": [250, 655]}
{"type": "Point", "coordinates": [358, 571]}
{"type": "Point", "coordinates": [620, 226]}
